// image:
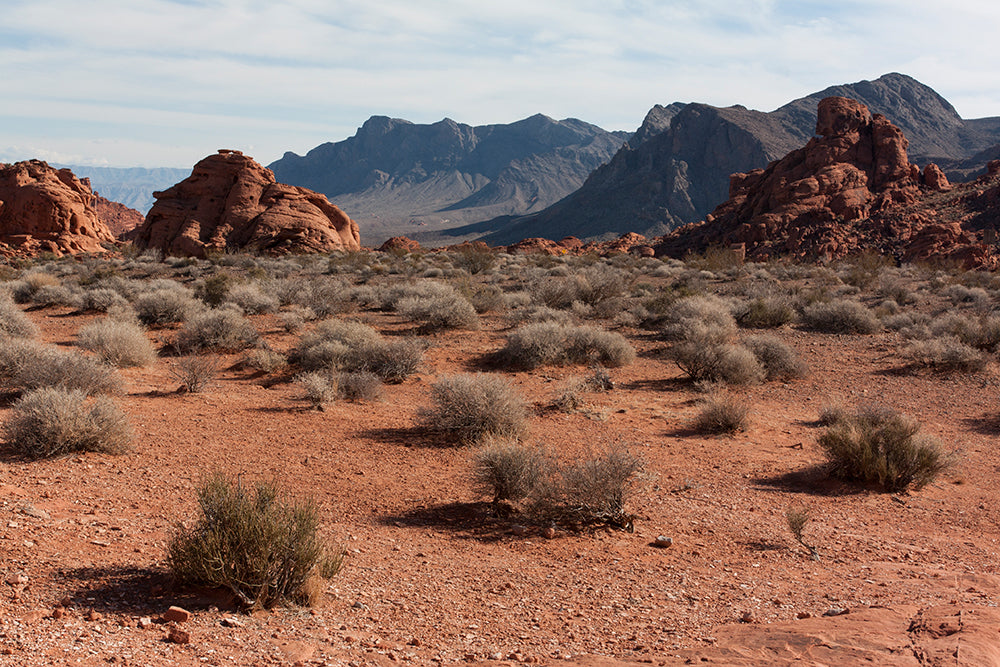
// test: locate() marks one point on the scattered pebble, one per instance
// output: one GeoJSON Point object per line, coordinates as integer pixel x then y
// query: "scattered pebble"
{"type": "Point", "coordinates": [177, 615]}
{"type": "Point", "coordinates": [662, 542]}
{"type": "Point", "coordinates": [178, 636]}
{"type": "Point", "coordinates": [835, 611]}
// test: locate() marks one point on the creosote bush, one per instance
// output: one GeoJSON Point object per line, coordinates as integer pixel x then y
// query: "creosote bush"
{"type": "Point", "coordinates": [165, 306]}
{"type": "Point", "coordinates": [54, 421]}
{"type": "Point", "coordinates": [122, 344]}
{"type": "Point", "coordinates": [717, 362]}
{"type": "Point", "coordinates": [593, 489]}
{"type": "Point", "coordinates": [13, 321]}
{"type": "Point", "coordinates": [883, 448]}
{"type": "Point", "coordinates": [26, 365]}
{"type": "Point", "coordinates": [221, 330]}
{"type": "Point", "coordinates": [841, 316]}
{"type": "Point", "coordinates": [195, 373]}
{"type": "Point", "coordinates": [475, 407]}
{"type": "Point", "coordinates": [548, 343]}
{"type": "Point", "coordinates": [723, 414]}
{"type": "Point", "coordinates": [946, 354]}
{"type": "Point", "coordinates": [780, 361]}
{"type": "Point", "coordinates": [509, 470]}
{"type": "Point", "coordinates": [249, 541]}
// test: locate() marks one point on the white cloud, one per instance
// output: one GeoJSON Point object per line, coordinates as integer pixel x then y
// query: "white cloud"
{"type": "Point", "coordinates": [180, 79]}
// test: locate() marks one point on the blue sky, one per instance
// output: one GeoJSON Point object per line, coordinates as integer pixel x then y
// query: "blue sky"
{"type": "Point", "coordinates": [166, 82]}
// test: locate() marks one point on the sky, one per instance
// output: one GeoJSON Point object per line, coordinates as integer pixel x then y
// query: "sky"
{"type": "Point", "coordinates": [166, 82]}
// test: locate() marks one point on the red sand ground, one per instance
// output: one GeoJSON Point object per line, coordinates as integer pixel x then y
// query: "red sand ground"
{"type": "Point", "coordinates": [429, 578]}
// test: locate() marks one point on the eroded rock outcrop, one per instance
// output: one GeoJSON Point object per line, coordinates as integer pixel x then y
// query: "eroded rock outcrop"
{"type": "Point", "coordinates": [842, 193]}
{"type": "Point", "coordinates": [400, 244]}
{"type": "Point", "coordinates": [230, 202]}
{"type": "Point", "coordinates": [43, 209]}
{"type": "Point", "coordinates": [121, 220]}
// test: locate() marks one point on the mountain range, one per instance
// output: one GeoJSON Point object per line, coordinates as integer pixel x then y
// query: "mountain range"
{"type": "Point", "coordinates": [132, 186]}
{"type": "Point", "coordinates": [675, 169]}
{"type": "Point", "coordinates": [397, 177]}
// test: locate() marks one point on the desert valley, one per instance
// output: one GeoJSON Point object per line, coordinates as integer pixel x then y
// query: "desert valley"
{"type": "Point", "coordinates": [719, 391]}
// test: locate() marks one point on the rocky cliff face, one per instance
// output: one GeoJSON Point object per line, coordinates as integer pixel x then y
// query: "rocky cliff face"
{"type": "Point", "coordinates": [43, 209]}
{"type": "Point", "coordinates": [121, 220]}
{"type": "Point", "coordinates": [852, 188]}
{"type": "Point", "coordinates": [398, 177]}
{"type": "Point", "coordinates": [231, 202]}
{"type": "Point", "coordinates": [662, 180]}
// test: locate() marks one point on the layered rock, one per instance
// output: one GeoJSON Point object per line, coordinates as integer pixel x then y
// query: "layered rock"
{"type": "Point", "coordinates": [230, 202]}
{"type": "Point", "coordinates": [843, 192]}
{"type": "Point", "coordinates": [43, 209]}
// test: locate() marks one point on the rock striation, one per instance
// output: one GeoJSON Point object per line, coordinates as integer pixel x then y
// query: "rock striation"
{"type": "Point", "coordinates": [230, 202]}
{"type": "Point", "coordinates": [851, 188]}
{"type": "Point", "coordinates": [43, 209]}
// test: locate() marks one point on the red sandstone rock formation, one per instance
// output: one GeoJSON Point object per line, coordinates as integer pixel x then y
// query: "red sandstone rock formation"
{"type": "Point", "coordinates": [230, 202]}
{"type": "Point", "coordinates": [43, 209]}
{"type": "Point", "coordinates": [842, 193]}
{"type": "Point", "coordinates": [119, 218]}
{"type": "Point", "coordinates": [400, 244]}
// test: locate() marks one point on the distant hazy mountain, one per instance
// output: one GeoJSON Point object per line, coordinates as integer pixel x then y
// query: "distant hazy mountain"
{"type": "Point", "coordinates": [676, 167]}
{"type": "Point", "coordinates": [397, 177]}
{"type": "Point", "coordinates": [132, 186]}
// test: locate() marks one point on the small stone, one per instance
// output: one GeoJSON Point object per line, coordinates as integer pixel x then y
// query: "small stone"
{"type": "Point", "coordinates": [747, 617]}
{"type": "Point", "coordinates": [662, 542]}
{"type": "Point", "coordinates": [177, 615]}
{"type": "Point", "coordinates": [802, 615]}
{"type": "Point", "coordinates": [66, 601]}
{"type": "Point", "coordinates": [519, 530]}
{"type": "Point", "coordinates": [414, 642]}
{"type": "Point", "coordinates": [835, 611]}
{"type": "Point", "coordinates": [145, 623]}
{"type": "Point", "coordinates": [549, 533]}
{"type": "Point", "coordinates": [58, 612]}
{"type": "Point", "coordinates": [359, 605]}
{"type": "Point", "coordinates": [232, 622]}
{"type": "Point", "coordinates": [178, 636]}
{"type": "Point", "coordinates": [93, 616]}
{"type": "Point", "coordinates": [17, 579]}
{"type": "Point", "coordinates": [30, 510]}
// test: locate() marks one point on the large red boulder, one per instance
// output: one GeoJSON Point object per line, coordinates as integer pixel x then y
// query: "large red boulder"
{"type": "Point", "coordinates": [230, 202]}
{"type": "Point", "coordinates": [43, 209]}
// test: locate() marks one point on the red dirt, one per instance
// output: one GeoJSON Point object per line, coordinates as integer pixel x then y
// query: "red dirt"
{"type": "Point", "coordinates": [429, 578]}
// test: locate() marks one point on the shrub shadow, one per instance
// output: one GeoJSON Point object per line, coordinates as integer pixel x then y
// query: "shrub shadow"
{"type": "Point", "coordinates": [139, 591]}
{"type": "Point", "coordinates": [985, 425]}
{"type": "Point", "coordinates": [410, 436]}
{"type": "Point", "coordinates": [814, 480]}
{"type": "Point", "coordinates": [476, 521]}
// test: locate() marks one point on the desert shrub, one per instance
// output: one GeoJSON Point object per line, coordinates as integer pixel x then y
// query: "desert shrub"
{"type": "Point", "coordinates": [474, 259]}
{"type": "Point", "coordinates": [122, 344]}
{"type": "Point", "coordinates": [102, 299]}
{"type": "Point", "coordinates": [214, 289]}
{"type": "Point", "coordinates": [27, 365]}
{"type": "Point", "coordinates": [600, 283]}
{"type": "Point", "coordinates": [980, 332]}
{"type": "Point", "coordinates": [348, 333]}
{"type": "Point", "coordinates": [251, 299]}
{"type": "Point", "coordinates": [223, 329]}
{"type": "Point", "coordinates": [780, 361]}
{"type": "Point", "coordinates": [841, 316]}
{"type": "Point", "coordinates": [195, 373]}
{"type": "Point", "coordinates": [722, 414]}
{"type": "Point", "coordinates": [557, 292]}
{"type": "Point", "coordinates": [445, 311]}
{"type": "Point", "coordinates": [766, 312]}
{"type": "Point", "coordinates": [296, 317]}
{"type": "Point", "coordinates": [946, 353]}
{"type": "Point", "coordinates": [487, 298]}
{"type": "Point", "coordinates": [24, 290]}
{"type": "Point", "coordinates": [963, 294]}
{"type": "Point", "coordinates": [54, 421]}
{"type": "Point", "coordinates": [265, 360]}
{"type": "Point", "coordinates": [548, 343]}
{"type": "Point", "coordinates": [165, 306]}
{"type": "Point", "coordinates": [508, 470]}
{"type": "Point", "coordinates": [13, 321]}
{"type": "Point", "coordinates": [473, 407]}
{"type": "Point", "coordinates": [391, 360]}
{"type": "Point", "coordinates": [359, 386]}
{"type": "Point", "coordinates": [698, 317]}
{"type": "Point", "coordinates": [594, 489]}
{"type": "Point", "coordinates": [717, 362]}
{"type": "Point", "coordinates": [59, 295]}
{"type": "Point", "coordinates": [533, 314]}
{"type": "Point", "coordinates": [252, 543]}
{"type": "Point", "coordinates": [881, 447]}
{"type": "Point", "coordinates": [319, 387]}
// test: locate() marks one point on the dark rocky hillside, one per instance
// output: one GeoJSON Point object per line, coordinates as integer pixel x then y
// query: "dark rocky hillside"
{"type": "Point", "coordinates": [397, 177]}
{"type": "Point", "coordinates": [663, 179]}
